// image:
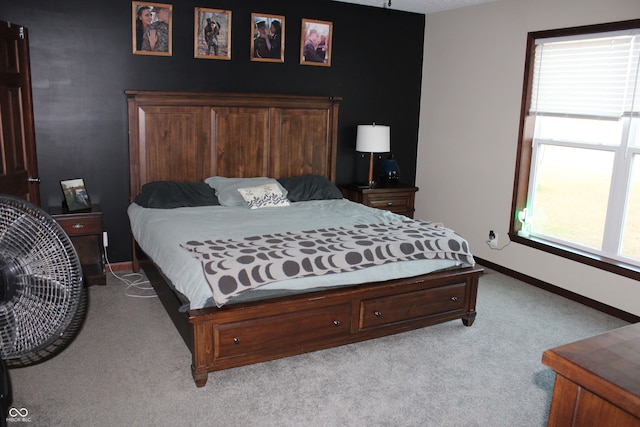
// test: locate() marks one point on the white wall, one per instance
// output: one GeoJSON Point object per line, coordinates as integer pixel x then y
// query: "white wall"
{"type": "Point", "coordinates": [470, 111]}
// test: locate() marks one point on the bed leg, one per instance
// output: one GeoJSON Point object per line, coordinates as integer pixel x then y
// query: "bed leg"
{"type": "Point", "coordinates": [135, 263]}
{"type": "Point", "coordinates": [470, 305]}
{"type": "Point", "coordinates": [468, 319]}
{"type": "Point", "coordinates": [199, 378]}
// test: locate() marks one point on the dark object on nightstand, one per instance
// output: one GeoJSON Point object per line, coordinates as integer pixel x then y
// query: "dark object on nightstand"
{"type": "Point", "coordinates": [397, 198]}
{"type": "Point", "coordinates": [390, 173]}
{"type": "Point", "coordinates": [85, 230]}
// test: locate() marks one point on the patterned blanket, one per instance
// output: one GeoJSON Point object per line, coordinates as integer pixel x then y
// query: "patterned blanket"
{"type": "Point", "coordinates": [235, 266]}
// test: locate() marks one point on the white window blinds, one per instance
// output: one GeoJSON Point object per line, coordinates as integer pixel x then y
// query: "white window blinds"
{"type": "Point", "coordinates": [597, 77]}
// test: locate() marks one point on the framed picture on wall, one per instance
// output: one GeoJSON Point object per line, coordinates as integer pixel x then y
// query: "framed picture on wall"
{"type": "Point", "coordinates": [151, 28]}
{"type": "Point", "coordinates": [267, 41]}
{"type": "Point", "coordinates": [315, 42]}
{"type": "Point", "coordinates": [76, 198]}
{"type": "Point", "coordinates": [212, 33]}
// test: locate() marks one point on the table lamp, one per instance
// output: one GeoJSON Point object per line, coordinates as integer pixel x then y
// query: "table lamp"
{"type": "Point", "coordinates": [373, 139]}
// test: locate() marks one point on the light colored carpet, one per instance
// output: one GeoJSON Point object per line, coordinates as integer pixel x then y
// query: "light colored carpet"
{"type": "Point", "coordinates": [129, 366]}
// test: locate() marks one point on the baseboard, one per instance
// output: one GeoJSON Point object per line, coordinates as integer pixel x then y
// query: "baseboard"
{"type": "Point", "coordinates": [121, 266]}
{"type": "Point", "coordinates": [597, 305]}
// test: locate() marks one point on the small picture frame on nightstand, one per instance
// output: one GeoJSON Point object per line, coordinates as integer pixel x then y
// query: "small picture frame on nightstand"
{"type": "Point", "coordinates": [76, 197]}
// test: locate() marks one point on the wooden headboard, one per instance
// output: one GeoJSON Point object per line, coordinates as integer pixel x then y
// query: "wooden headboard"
{"type": "Point", "coordinates": [189, 136]}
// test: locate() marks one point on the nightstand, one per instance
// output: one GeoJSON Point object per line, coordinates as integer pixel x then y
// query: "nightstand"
{"type": "Point", "coordinates": [85, 230]}
{"type": "Point", "coordinates": [397, 198]}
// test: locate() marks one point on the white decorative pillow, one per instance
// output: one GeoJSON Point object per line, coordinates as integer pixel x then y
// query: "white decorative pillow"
{"type": "Point", "coordinates": [263, 196]}
{"type": "Point", "coordinates": [227, 188]}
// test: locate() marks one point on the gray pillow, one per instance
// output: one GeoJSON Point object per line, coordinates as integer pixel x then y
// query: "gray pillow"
{"type": "Point", "coordinates": [171, 194]}
{"type": "Point", "coordinates": [310, 187]}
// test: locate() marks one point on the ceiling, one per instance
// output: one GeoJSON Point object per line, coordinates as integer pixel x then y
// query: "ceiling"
{"type": "Point", "coordinates": [419, 6]}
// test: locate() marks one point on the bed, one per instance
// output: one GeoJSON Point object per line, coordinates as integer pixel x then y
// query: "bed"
{"type": "Point", "coordinates": [185, 138]}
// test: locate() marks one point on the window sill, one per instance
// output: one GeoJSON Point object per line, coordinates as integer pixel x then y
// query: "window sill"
{"type": "Point", "coordinates": [606, 264]}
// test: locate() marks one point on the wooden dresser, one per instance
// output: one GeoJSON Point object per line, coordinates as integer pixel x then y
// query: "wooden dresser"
{"type": "Point", "coordinates": [597, 380]}
{"type": "Point", "coordinates": [397, 198]}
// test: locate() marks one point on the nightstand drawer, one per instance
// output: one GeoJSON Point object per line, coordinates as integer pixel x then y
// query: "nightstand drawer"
{"type": "Point", "coordinates": [85, 231]}
{"type": "Point", "coordinates": [80, 225]}
{"type": "Point", "coordinates": [391, 201]}
{"type": "Point", "coordinates": [397, 198]}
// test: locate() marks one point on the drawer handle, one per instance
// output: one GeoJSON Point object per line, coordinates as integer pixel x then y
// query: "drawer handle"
{"type": "Point", "coordinates": [389, 203]}
{"type": "Point", "coordinates": [377, 314]}
{"type": "Point", "coordinates": [337, 322]}
{"type": "Point", "coordinates": [454, 299]}
{"type": "Point", "coordinates": [77, 226]}
{"type": "Point", "coordinates": [236, 340]}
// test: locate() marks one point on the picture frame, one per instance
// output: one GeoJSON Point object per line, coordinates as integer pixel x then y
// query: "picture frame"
{"type": "Point", "coordinates": [76, 197]}
{"type": "Point", "coordinates": [267, 37]}
{"type": "Point", "coordinates": [152, 28]}
{"type": "Point", "coordinates": [315, 42]}
{"type": "Point", "coordinates": [212, 33]}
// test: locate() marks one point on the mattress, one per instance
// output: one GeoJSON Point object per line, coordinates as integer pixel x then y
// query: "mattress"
{"type": "Point", "coordinates": [160, 233]}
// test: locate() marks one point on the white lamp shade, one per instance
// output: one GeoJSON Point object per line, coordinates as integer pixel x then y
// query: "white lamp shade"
{"type": "Point", "coordinates": [373, 139]}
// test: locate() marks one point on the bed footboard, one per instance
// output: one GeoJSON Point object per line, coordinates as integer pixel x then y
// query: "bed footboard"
{"type": "Point", "coordinates": [241, 334]}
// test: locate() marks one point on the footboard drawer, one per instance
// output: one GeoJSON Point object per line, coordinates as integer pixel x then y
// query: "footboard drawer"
{"type": "Point", "coordinates": [411, 305]}
{"type": "Point", "coordinates": [285, 331]}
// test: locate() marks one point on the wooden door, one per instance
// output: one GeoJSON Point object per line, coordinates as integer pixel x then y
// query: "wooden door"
{"type": "Point", "coordinates": [18, 162]}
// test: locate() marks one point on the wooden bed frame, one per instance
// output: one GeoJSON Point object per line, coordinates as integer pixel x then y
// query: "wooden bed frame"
{"type": "Point", "coordinates": [182, 136]}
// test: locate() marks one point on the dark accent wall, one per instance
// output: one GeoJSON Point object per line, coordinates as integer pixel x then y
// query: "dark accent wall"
{"type": "Point", "coordinates": [81, 64]}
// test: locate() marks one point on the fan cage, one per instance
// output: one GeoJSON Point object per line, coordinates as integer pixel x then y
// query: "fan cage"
{"type": "Point", "coordinates": [43, 297]}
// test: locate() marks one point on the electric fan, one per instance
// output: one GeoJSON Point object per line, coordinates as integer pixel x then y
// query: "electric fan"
{"type": "Point", "coordinates": [42, 298]}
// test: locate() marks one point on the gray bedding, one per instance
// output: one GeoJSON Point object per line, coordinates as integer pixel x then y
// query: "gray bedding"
{"type": "Point", "coordinates": [160, 233]}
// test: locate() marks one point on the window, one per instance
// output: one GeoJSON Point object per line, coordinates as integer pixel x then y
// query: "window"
{"type": "Point", "coordinates": [577, 186]}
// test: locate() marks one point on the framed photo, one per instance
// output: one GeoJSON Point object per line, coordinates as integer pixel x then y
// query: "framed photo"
{"type": "Point", "coordinates": [212, 33]}
{"type": "Point", "coordinates": [315, 43]}
{"type": "Point", "coordinates": [75, 194]}
{"type": "Point", "coordinates": [267, 42]}
{"type": "Point", "coordinates": [151, 28]}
